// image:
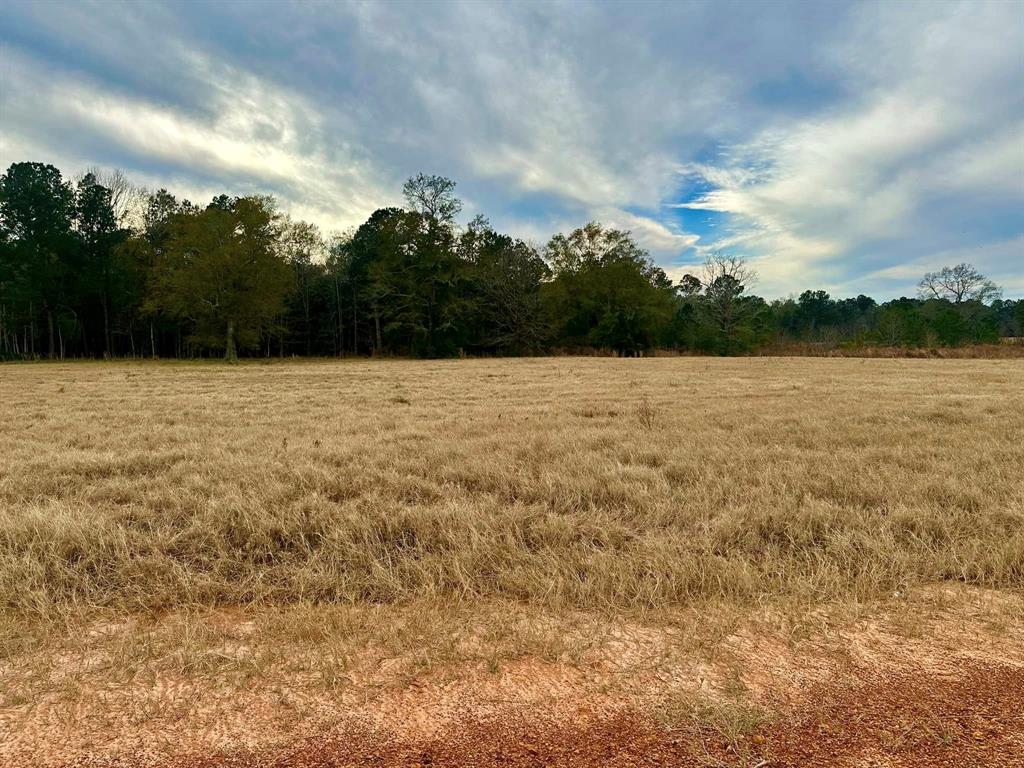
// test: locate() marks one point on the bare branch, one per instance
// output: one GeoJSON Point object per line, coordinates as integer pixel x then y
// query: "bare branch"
{"type": "Point", "coordinates": [957, 285]}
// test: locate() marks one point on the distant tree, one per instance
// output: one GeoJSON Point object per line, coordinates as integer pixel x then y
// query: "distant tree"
{"type": "Point", "coordinates": [433, 197]}
{"type": "Point", "coordinates": [689, 285]}
{"type": "Point", "coordinates": [304, 249]}
{"type": "Point", "coordinates": [36, 211]}
{"type": "Point", "coordinates": [381, 265]}
{"type": "Point", "coordinates": [127, 199]}
{"type": "Point", "coordinates": [146, 251]}
{"type": "Point", "coordinates": [900, 323]}
{"type": "Point", "coordinates": [86, 268]}
{"type": "Point", "coordinates": [730, 313]}
{"type": "Point", "coordinates": [505, 277]}
{"type": "Point", "coordinates": [1010, 316]}
{"type": "Point", "coordinates": [958, 284]}
{"type": "Point", "coordinates": [815, 310]}
{"type": "Point", "coordinates": [160, 209]}
{"type": "Point", "coordinates": [589, 246]}
{"type": "Point", "coordinates": [338, 275]}
{"type": "Point", "coordinates": [223, 272]}
{"type": "Point", "coordinates": [606, 292]}
{"type": "Point", "coordinates": [96, 224]}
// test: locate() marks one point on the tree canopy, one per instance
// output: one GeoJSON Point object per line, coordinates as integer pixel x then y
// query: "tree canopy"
{"type": "Point", "coordinates": [100, 267]}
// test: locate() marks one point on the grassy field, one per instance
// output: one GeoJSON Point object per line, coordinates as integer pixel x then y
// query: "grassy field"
{"type": "Point", "coordinates": [385, 503]}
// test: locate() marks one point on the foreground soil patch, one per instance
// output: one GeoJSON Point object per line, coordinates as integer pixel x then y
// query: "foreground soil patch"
{"type": "Point", "coordinates": [866, 695]}
{"type": "Point", "coordinates": [972, 718]}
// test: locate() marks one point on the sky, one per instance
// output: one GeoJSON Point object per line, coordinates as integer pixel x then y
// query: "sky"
{"type": "Point", "coordinates": [848, 147]}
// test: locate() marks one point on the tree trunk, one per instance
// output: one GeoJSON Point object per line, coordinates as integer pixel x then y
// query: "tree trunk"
{"type": "Point", "coordinates": [355, 324]}
{"type": "Point", "coordinates": [152, 340]}
{"type": "Point", "coordinates": [231, 352]}
{"type": "Point", "coordinates": [49, 331]}
{"type": "Point", "coordinates": [309, 329]}
{"type": "Point", "coordinates": [107, 351]}
{"type": "Point", "coordinates": [341, 323]}
{"type": "Point", "coordinates": [376, 322]}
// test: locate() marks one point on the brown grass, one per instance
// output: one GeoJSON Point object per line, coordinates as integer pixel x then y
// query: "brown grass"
{"type": "Point", "coordinates": [1008, 348]}
{"type": "Point", "coordinates": [583, 483]}
{"type": "Point", "coordinates": [339, 529]}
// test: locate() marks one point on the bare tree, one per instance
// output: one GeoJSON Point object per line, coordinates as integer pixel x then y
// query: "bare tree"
{"type": "Point", "coordinates": [432, 196]}
{"type": "Point", "coordinates": [958, 284]}
{"type": "Point", "coordinates": [127, 199]}
{"type": "Point", "coordinates": [718, 265]}
{"type": "Point", "coordinates": [725, 278]}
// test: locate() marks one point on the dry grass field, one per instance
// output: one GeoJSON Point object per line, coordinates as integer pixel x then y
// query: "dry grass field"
{"type": "Point", "coordinates": [488, 562]}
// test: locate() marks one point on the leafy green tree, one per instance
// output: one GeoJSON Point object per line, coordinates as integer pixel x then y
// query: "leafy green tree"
{"type": "Point", "coordinates": [340, 288]}
{"type": "Point", "coordinates": [433, 197]}
{"type": "Point", "coordinates": [943, 324]}
{"type": "Point", "coordinates": [145, 252]}
{"type": "Point", "coordinates": [815, 311]}
{"type": "Point", "coordinates": [98, 232]}
{"type": "Point", "coordinates": [856, 316]}
{"type": "Point", "coordinates": [900, 323]}
{"type": "Point", "coordinates": [36, 210]}
{"type": "Point", "coordinates": [1010, 315]}
{"type": "Point", "coordinates": [223, 272]}
{"type": "Point", "coordinates": [83, 269]}
{"type": "Point", "coordinates": [304, 249]}
{"type": "Point", "coordinates": [381, 256]}
{"type": "Point", "coordinates": [505, 277]}
{"type": "Point", "coordinates": [606, 292]}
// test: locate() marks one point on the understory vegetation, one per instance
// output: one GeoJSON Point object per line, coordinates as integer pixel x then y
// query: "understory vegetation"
{"type": "Point", "coordinates": [568, 483]}
{"type": "Point", "coordinates": [101, 268]}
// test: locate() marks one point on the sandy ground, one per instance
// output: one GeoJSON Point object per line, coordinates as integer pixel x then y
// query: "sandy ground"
{"type": "Point", "coordinates": [945, 690]}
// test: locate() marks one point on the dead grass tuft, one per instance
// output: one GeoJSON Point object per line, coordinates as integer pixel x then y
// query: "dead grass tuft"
{"type": "Point", "coordinates": [200, 485]}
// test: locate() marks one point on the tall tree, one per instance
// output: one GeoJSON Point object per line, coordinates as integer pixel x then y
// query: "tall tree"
{"type": "Point", "coordinates": [958, 284]}
{"type": "Point", "coordinates": [96, 223]}
{"type": "Point", "coordinates": [815, 310]}
{"type": "Point", "coordinates": [224, 273]}
{"type": "Point", "coordinates": [433, 197]}
{"type": "Point", "coordinates": [606, 292]}
{"type": "Point", "coordinates": [727, 310]}
{"type": "Point", "coordinates": [36, 209]}
{"type": "Point", "coordinates": [304, 249]}
{"type": "Point", "coordinates": [505, 278]}
{"type": "Point", "coordinates": [127, 199]}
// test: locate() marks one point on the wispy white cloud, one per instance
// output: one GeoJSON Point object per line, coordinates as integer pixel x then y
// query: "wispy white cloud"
{"type": "Point", "coordinates": [837, 140]}
{"type": "Point", "coordinates": [929, 124]}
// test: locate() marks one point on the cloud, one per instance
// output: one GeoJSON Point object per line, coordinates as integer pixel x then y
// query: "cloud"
{"type": "Point", "coordinates": [936, 122]}
{"type": "Point", "coordinates": [834, 140]}
{"type": "Point", "coordinates": [1001, 261]}
{"type": "Point", "coordinates": [254, 138]}
{"type": "Point", "coordinates": [650, 234]}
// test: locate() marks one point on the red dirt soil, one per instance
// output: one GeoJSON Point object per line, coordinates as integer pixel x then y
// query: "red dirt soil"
{"type": "Point", "coordinates": [971, 717]}
{"type": "Point", "coordinates": [940, 687]}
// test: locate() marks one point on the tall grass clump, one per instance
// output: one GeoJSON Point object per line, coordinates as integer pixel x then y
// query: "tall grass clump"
{"type": "Point", "coordinates": [148, 488]}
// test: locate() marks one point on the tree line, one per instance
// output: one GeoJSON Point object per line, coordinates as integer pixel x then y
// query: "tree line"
{"type": "Point", "coordinates": [97, 267]}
